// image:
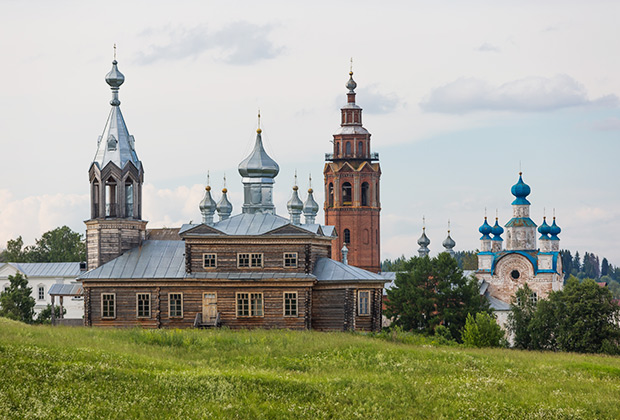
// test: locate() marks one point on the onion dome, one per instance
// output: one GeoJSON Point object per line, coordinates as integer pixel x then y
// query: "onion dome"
{"type": "Point", "coordinates": [295, 206]}
{"type": "Point", "coordinates": [448, 244]}
{"type": "Point", "coordinates": [207, 206]}
{"type": "Point", "coordinates": [424, 242]}
{"type": "Point", "coordinates": [554, 230]}
{"type": "Point", "coordinates": [485, 229]}
{"type": "Point", "coordinates": [115, 79]}
{"type": "Point", "coordinates": [497, 231]}
{"type": "Point", "coordinates": [224, 207]}
{"type": "Point", "coordinates": [311, 208]}
{"type": "Point", "coordinates": [544, 229]}
{"type": "Point", "coordinates": [520, 190]}
{"type": "Point", "coordinates": [351, 85]}
{"type": "Point", "coordinates": [258, 164]}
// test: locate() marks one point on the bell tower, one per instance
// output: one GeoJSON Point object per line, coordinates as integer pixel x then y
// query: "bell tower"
{"type": "Point", "coordinates": [116, 176]}
{"type": "Point", "coordinates": [352, 174]}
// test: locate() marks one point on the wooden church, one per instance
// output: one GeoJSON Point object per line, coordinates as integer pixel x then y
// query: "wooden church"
{"type": "Point", "coordinates": [255, 269]}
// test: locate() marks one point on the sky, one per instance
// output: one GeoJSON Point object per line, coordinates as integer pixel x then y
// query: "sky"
{"type": "Point", "coordinates": [458, 96]}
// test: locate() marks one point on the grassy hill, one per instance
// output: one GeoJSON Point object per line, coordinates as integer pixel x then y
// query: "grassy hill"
{"type": "Point", "coordinates": [85, 373]}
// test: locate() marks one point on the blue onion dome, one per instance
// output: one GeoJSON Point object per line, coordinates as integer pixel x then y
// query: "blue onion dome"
{"type": "Point", "coordinates": [224, 206]}
{"type": "Point", "coordinates": [448, 243]}
{"type": "Point", "coordinates": [351, 85]}
{"type": "Point", "coordinates": [258, 164]}
{"type": "Point", "coordinates": [497, 231]}
{"type": "Point", "coordinates": [295, 203]}
{"type": "Point", "coordinates": [424, 241]}
{"type": "Point", "coordinates": [208, 203]}
{"type": "Point", "coordinates": [485, 229]}
{"type": "Point", "coordinates": [114, 78]}
{"type": "Point", "coordinates": [520, 190]}
{"type": "Point", "coordinates": [311, 206]}
{"type": "Point", "coordinates": [544, 229]}
{"type": "Point", "coordinates": [554, 230]}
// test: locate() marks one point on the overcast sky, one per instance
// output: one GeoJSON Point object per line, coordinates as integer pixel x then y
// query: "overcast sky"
{"type": "Point", "coordinates": [457, 96]}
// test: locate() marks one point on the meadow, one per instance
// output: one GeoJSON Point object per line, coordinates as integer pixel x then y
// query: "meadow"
{"type": "Point", "coordinates": [87, 373]}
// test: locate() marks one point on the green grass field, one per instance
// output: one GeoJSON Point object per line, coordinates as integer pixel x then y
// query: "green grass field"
{"type": "Point", "coordinates": [90, 373]}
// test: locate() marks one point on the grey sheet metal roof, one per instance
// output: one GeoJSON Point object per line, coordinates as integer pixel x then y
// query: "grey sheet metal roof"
{"type": "Point", "coordinates": [246, 224]}
{"type": "Point", "coordinates": [389, 276]}
{"type": "Point", "coordinates": [154, 259]}
{"type": "Point", "coordinates": [72, 289]}
{"type": "Point", "coordinates": [66, 269]}
{"type": "Point", "coordinates": [254, 275]}
{"type": "Point", "coordinates": [123, 151]}
{"type": "Point", "coordinates": [496, 304]}
{"type": "Point", "coordinates": [327, 269]}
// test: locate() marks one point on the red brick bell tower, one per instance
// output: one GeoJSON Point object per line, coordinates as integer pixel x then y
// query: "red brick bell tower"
{"type": "Point", "coordinates": [352, 175]}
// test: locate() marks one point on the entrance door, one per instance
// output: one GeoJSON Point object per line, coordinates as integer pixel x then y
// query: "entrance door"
{"type": "Point", "coordinates": [209, 308]}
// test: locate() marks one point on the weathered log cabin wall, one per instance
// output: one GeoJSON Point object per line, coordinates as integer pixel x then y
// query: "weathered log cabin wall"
{"type": "Point", "coordinates": [335, 308]}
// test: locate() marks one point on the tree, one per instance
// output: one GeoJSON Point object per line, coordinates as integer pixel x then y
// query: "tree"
{"type": "Point", "coordinates": [45, 316]}
{"type": "Point", "coordinates": [604, 267]}
{"type": "Point", "coordinates": [395, 265]}
{"type": "Point", "coordinates": [567, 262]}
{"type": "Point", "coordinates": [522, 309]}
{"type": "Point", "coordinates": [482, 331]}
{"type": "Point", "coordinates": [16, 302]}
{"type": "Point", "coordinates": [467, 260]}
{"type": "Point", "coordinates": [432, 292]}
{"type": "Point", "coordinates": [57, 245]}
{"type": "Point", "coordinates": [576, 263]}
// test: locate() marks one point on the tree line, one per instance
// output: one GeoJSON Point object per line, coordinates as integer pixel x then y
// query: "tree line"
{"type": "Point", "coordinates": [57, 245]}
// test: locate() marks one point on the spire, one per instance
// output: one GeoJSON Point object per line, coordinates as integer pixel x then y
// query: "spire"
{"type": "Point", "coordinates": [449, 243]}
{"type": "Point", "coordinates": [423, 241]}
{"type": "Point", "coordinates": [207, 205]}
{"type": "Point", "coordinates": [311, 207]}
{"type": "Point", "coordinates": [115, 143]}
{"type": "Point", "coordinates": [258, 171]}
{"type": "Point", "coordinates": [295, 205]}
{"type": "Point", "coordinates": [345, 253]}
{"type": "Point", "coordinates": [224, 207]}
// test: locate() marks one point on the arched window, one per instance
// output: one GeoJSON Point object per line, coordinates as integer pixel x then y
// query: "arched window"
{"type": "Point", "coordinates": [347, 236]}
{"type": "Point", "coordinates": [128, 198]}
{"type": "Point", "coordinates": [347, 197]}
{"type": "Point", "coordinates": [377, 193]}
{"type": "Point", "coordinates": [356, 117]}
{"type": "Point", "coordinates": [338, 149]}
{"type": "Point", "coordinates": [95, 200]}
{"type": "Point", "coordinates": [112, 143]}
{"type": "Point", "coordinates": [360, 148]}
{"type": "Point", "coordinates": [365, 188]}
{"type": "Point", "coordinates": [110, 192]}
{"type": "Point", "coordinates": [348, 150]}
{"type": "Point", "coordinates": [330, 194]}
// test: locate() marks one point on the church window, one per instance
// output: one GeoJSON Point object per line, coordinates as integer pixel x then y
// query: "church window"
{"type": "Point", "coordinates": [347, 198]}
{"type": "Point", "coordinates": [110, 207]}
{"type": "Point", "coordinates": [249, 304]}
{"type": "Point", "coordinates": [143, 305]}
{"type": "Point", "coordinates": [112, 143]}
{"type": "Point", "coordinates": [365, 188]}
{"type": "Point", "coordinates": [129, 199]}
{"type": "Point", "coordinates": [338, 149]}
{"type": "Point", "coordinates": [515, 274]}
{"type": "Point", "coordinates": [534, 298]}
{"type": "Point", "coordinates": [348, 149]}
{"type": "Point", "coordinates": [290, 259]}
{"type": "Point", "coordinates": [41, 292]}
{"type": "Point", "coordinates": [366, 236]}
{"type": "Point", "coordinates": [347, 236]}
{"type": "Point", "coordinates": [331, 194]}
{"type": "Point", "coordinates": [290, 303]}
{"type": "Point", "coordinates": [243, 304]}
{"type": "Point", "coordinates": [363, 302]}
{"type": "Point", "coordinates": [360, 148]}
{"type": "Point", "coordinates": [249, 260]}
{"type": "Point", "coordinates": [108, 305]}
{"type": "Point", "coordinates": [377, 193]}
{"type": "Point", "coordinates": [209, 260]}
{"type": "Point", "coordinates": [356, 117]}
{"type": "Point", "coordinates": [95, 200]}
{"type": "Point", "coordinates": [175, 305]}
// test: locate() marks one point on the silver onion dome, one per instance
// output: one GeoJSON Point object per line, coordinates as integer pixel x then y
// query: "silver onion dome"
{"type": "Point", "coordinates": [224, 207]}
{"type": "Point", "coordinates": [311, 208]}
{"type": "Point", "coordinates": [424, 242]}
{"type": "Point", "coordinates": [351, 85]}
{"type": "Point", "coordinates": [258, 164]}
{"type": "Point", "coordinates": [295, 206]}
{"type": "Point", "coordinates": [448, 244]}
{"type": "Point", "coordinates": [115, 79]}
{"type": "Point", "coordinates": [207, 206]}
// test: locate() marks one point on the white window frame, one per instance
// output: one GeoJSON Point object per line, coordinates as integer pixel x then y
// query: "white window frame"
{"type": "Point", "coordinates": [294, 299]}
{"type": "Point", "coordinates": [103, 296]}
{"type": "Point", "coordinates": [138, 305]}
{"type": "Point", "coordinates": [360, 309]}
{"type": "Point", "coordinates": [170, 305]}
{"type": "Point", "coordinates": [39, 287]}
{"type": "Point", "coordinates": [250, 257]}
{"type": "Point", "coordinates": [290, 256]}
{"type": "Point", "coordinates": [212, 256]}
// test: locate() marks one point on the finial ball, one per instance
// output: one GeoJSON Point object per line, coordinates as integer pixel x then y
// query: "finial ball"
{"type": "Point", "coordinates": [258, 130]}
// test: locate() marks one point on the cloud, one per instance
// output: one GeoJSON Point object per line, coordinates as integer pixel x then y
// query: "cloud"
{"type": "Point", "coordinates": [486, 47]}
{"type": "Point", "coordinates": [523, 95]}
{"type": "Point", "coordinates": [608, 124]}
{"type": "Point", "coordinates": [375, 102]}
{"type": "Point", "coordinates": [239, 43]}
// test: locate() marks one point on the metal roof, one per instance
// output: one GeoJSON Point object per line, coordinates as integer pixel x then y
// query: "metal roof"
{"type": "Point", "coordinates": [327, 269]}
{"type": "Point", "coordinates": [72, 289]}
{"type": "Point", "coordinates": [116, 144]}
{"type": "Point", "coordinates": [151, 260]}
{"type": "Point", "coordinates": [351, 129]}
{"type": "Point", "coordinates": [253, 275]}
{"type": "Point", "coordinates": [56, 269]}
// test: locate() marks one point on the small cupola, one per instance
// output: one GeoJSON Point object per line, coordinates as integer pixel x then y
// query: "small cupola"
{"type": "Point", "coordinates": [224, 207]}
{"type": "Point", "coordinates": [520, 190]}
{"type": "Point", "coordinates": [295, 205]}
{"type": "Point", "coordinates": [208, 205]}
{"type": "Point", "coordinates": [497, 231]}
{"type": "Point", "coordinates": [485, 230]}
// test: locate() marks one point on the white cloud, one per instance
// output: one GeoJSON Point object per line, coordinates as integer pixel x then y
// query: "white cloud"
{"type": "Point", "coordinates": [239, 43]}
{"type": "Point", "coordinates": [376, 102]}
{"type": "Point", "coordinates": [528, 94]}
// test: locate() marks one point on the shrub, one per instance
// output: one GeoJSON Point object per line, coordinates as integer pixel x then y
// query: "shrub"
{"type": "Point", "coordinates": [482, 331]}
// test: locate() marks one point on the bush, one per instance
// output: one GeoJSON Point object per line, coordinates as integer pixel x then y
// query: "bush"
{"type": "Point", "coordinates": [482, 331]}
